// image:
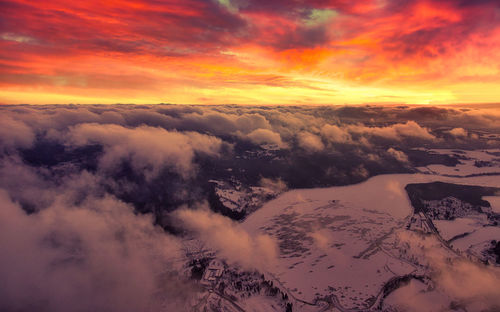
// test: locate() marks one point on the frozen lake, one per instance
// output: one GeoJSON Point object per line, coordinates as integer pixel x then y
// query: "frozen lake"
{"type": "Point", "coordinates": [342, 239]}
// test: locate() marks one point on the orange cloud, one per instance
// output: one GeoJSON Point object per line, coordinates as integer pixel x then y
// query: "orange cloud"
{"type": "Point", "coordinates": [227, 51]}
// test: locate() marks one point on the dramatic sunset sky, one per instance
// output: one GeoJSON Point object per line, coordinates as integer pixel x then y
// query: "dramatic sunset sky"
{"type": "Point", "coordinates": [250, 51]}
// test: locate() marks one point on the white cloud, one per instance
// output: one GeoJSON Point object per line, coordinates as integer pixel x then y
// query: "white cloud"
{"type": "Point", "coordinates": [458, 132]}
{"type": "Point", "coordinates": [149, 149]}
{"type": "Point", "coordinates": [398, 155]}
{"type": "Point", "coordinates": [310, 142]}
{"type": "Point", "coordinates": [227, 237]}
{"type": "Point", "coordinates": [97, 256]}
{"type": "Point", "coordinates": [15, 133]}
{"type": "Point", "coordinates": [276, 185]}
{"type": "Point", "coordinates": [265, 136]}
{"type": "Point", "coordinates": [396, 132]}
{"type": "Point", "coordinates": [471, 284]}
{"type": "Point", "coordinates": [335, 134]}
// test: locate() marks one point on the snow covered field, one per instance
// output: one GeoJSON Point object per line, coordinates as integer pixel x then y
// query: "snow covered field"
{"type": "Point", "coordinates": [477, 237]}
{"type": "Point", "coordinates": [471, 163]}
{"type": "Point", "coordinates": [340, 246]}
{"type": "Point", "coordinates": [494, 202]}
{"type": "Point", "coordinates": [449, 229]}
{"type": "Point", "coordinates": [341, 240]}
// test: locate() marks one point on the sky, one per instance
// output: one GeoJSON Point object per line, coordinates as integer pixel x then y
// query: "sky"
{"type": "Point", "coordinates": [250, 51]}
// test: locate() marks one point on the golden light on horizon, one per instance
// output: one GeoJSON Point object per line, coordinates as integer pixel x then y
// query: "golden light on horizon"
{"type": "Point", "coordinates": [218, 52]}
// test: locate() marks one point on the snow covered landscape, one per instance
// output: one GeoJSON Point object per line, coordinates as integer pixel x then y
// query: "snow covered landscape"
{"type": "Point", "coordinates": [477, 162]}
{"type": "Point", "coordinates": [333, 241]}
{"type": "Point", "coordinates": [340, 247]}
{"type": "Point", "coordinates": [222, 208]}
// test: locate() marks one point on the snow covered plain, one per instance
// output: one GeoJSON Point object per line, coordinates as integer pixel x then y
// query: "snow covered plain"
{"type": "Point", "coordinates": [494, 202]}
{"type": "Point", "coordinates": [448, 229]}
{"type": "Point", "coordinates": [341, 240]}
{"type": "Point", "coordinates": [471, 162]}
{"type": "Point", "coordinates": [340, 246]}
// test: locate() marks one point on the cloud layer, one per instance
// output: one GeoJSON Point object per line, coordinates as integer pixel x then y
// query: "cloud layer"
{"type": "Point", "coordinates": [97, 255]}
{"type": "Point", "coordinates": [90, 195]}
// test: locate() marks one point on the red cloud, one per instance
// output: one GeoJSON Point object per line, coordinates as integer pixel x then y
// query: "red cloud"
{"type": "Point", "coordinates": [362, 41]}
